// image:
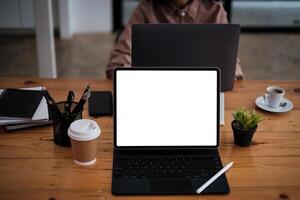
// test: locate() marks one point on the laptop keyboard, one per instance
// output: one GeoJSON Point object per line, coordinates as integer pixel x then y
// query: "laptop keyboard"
{"type": "Point", "coordinates": [166, 167]}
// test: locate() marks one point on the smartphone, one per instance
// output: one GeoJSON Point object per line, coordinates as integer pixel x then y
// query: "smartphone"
{"type": "Point", "coordinates": [100, 103]}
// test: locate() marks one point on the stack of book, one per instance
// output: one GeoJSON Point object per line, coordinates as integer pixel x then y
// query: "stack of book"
{"type": "Point", "coordinates": [23, 108]}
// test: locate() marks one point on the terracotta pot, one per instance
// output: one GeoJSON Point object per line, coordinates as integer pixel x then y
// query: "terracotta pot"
{"type": "Point", "coordinates": [242, 138]}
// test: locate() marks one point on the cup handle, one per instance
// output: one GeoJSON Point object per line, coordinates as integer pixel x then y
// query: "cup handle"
{"type": "Point", "coordinates": [266, 96]}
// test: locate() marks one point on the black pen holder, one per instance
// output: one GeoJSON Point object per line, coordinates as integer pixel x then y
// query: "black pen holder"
{"type": "Point", "coordinates": [62, 122]}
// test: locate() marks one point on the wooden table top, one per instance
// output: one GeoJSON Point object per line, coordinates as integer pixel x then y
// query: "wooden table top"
{"type": "Point", "coordinates": [33, 167]}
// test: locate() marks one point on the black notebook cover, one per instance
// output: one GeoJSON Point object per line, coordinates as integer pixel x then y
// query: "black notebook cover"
{"type": "Point", "coordinates": [15, 103]}
{"type": "Point", "coordinates": [101, 103]}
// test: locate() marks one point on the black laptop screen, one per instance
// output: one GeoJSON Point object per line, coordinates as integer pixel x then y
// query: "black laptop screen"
{"type": "Point", "coordinates": [166, 107]}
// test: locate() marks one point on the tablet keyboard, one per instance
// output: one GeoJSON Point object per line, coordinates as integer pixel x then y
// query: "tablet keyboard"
{"type": "Point", "coordinates": [166, 167]}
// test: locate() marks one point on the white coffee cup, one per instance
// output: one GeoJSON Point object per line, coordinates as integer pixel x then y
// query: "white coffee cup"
{"type": "Point", "coordinates": [84, 134]}
{"type": "Point", "coordinates": [274, 96]}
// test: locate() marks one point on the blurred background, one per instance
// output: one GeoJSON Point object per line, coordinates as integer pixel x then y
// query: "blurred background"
{"type": "Point", "coordinates": [73, 38]}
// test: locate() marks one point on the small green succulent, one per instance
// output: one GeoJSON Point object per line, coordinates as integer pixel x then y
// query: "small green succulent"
{"type": "Point", "coordinates": [245, 119]}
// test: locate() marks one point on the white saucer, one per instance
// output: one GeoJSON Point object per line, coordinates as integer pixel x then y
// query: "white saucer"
{"type": "Point", "coordinates": [260, 102]}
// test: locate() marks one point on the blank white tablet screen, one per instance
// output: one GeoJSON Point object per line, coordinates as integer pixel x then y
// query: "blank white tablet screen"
{"type": "Point", "coordinates": [166, 108]}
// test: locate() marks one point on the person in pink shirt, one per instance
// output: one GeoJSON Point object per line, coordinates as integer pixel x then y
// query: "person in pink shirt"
{"type": "Point", "coordinates": [166, 11]}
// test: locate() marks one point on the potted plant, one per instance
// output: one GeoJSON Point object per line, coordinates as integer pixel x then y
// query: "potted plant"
{"type": "Point", "coordinates": [244, 125]}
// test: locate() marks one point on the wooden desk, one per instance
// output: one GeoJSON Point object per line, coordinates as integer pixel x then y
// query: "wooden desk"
{"type": "Point", "coordinates": [33, 167]}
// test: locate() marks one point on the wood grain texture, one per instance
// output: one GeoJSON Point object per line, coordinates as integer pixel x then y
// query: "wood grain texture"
{"type": "Point", "coordinates": [33, 167]}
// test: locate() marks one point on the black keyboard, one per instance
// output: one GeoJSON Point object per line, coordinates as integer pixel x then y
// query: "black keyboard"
{"type": "Point", "coordinates": [166, 167]}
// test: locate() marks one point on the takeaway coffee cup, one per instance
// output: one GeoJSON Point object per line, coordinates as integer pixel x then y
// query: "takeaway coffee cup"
{"type": "Point", "coordinates": [274, 96]}
{"type": "Point", "coordinates": [84, 134]}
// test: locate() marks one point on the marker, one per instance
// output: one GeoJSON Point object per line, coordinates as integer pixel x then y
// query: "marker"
{"type": "Point", "coordinates": [51, 103]}
{"type": "Point", "coordinates": [86, 94]}
{"type": "Point", "coordinates": [68, 104]}
{"type": "Point", "coordinates": [212, 179]}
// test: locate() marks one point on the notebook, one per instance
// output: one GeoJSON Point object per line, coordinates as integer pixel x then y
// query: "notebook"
{"type": "Point", "coordinates": [19, 104]}
{"type": "Point", "coordinates": [40, 114]}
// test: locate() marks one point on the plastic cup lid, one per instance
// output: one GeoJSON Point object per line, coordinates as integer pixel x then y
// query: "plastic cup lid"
{"type": "Point", "coordinates": [84, 130]}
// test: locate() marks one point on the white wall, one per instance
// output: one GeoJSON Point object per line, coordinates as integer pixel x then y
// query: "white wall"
{"type": "Point", "coordinates": [85, 16]}
{"type": "Point", "coordinates": [9, 14]}
{"type": "Point", "coordinates": [19, 14]}
{"type": "Point", "coordinates": [91, 16]}
{"type": "Point", "coordinates": [266, 13]}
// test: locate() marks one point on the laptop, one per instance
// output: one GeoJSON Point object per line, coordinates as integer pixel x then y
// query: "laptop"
{"type": "Point", "coordinates": [191, 45]}
{"type": "Point", "coordinates": [166, 131]}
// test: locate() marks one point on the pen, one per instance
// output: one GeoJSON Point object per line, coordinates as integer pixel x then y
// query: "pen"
{"type": "Point", "coordinates": [212, 179]}
{"type": "Point", "coordinates": [86, 94]}
{"type": "Point", "coordinates": [68, 104]}
{"type": "Point", "coordinates": [47, 95]}
{"type": "Point", "coordinates": [86, 89]}
{"type": "Point", "coordinates": [51, 103]}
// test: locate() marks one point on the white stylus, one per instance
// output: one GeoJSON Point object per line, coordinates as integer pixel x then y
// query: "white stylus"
{"type": "Point", "coordinates": [212, 179]}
